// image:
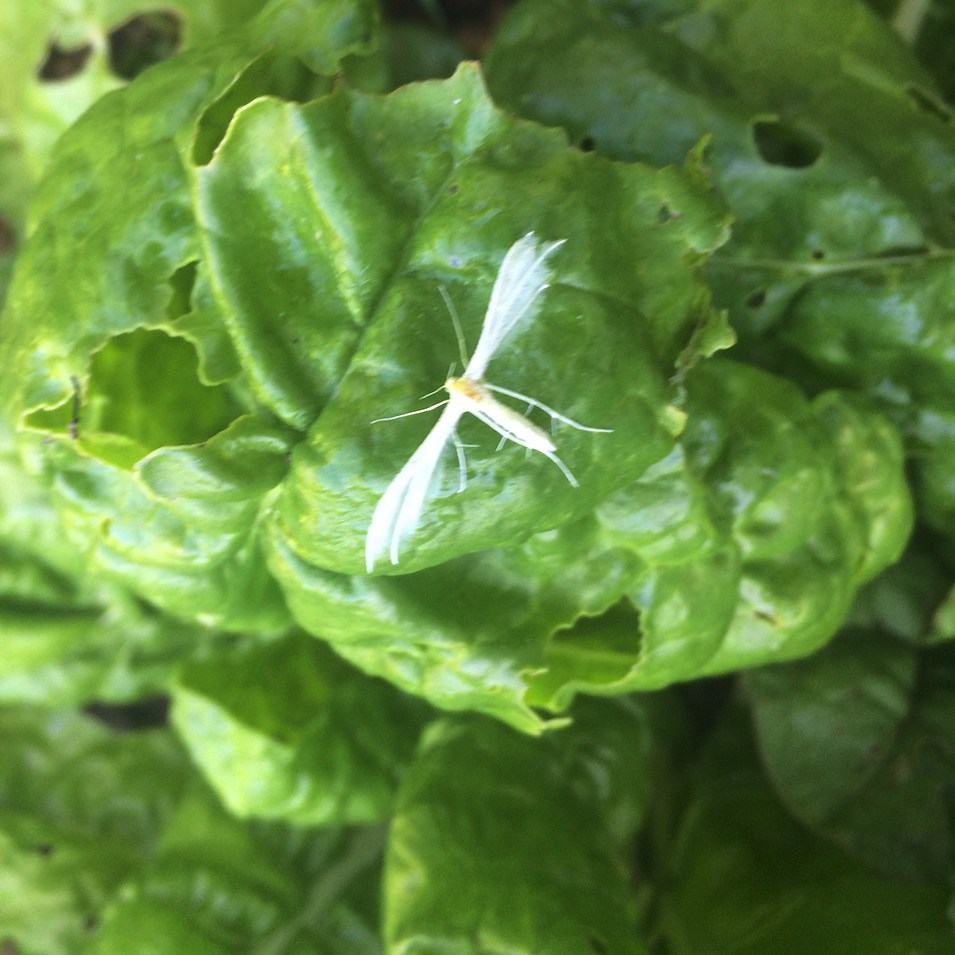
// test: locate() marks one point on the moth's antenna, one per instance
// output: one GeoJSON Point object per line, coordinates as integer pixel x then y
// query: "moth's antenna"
{"type": "Point", "coordinates": [440, 387]}
{"type": "Point", "coordinates": [459, 334]}
{"type": "Point", "coordinates": [411, 414]}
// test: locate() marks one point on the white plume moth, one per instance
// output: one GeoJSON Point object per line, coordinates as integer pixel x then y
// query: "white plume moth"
{"type": "Point", "coordinates": [523, 275]}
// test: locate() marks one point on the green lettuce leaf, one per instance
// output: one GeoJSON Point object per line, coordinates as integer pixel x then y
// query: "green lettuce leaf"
{"type": "Point", "coordinates": [80, 809]}
{"type": "Point", "coordinates": [912, 599]}
{"type": "Point", "coordinates": [943, 623]}
{"type": "Point", "coordinates": [68, 636]}
{"type": "Point", "coordinates": [929, 28]}
{"type": "Point", "coordinates": [794, 513]}
{"type": "Point", "coordinates": [221, 886]}
{"type": "Point", "coordinates": [109, 842]}
{"type": "Point", "coordinates": [239, 262]}
{"type": "Point", "coordinates": [316, 743]}
{"type": "Point", "coordinates": [152, 360]}
{"type": "Point", "coordinates": [743, 877]}
{"type": "Point", "coordinates": [858, 741]}
{"type": "Point", "coordinates": [480, 849]}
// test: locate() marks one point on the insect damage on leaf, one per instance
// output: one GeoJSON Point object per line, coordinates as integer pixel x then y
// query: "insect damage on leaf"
{"type": "Point", "coordinates": [523, 275]}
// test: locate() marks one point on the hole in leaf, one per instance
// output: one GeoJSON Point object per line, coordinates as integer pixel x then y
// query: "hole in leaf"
{"type": "Point", "coordinates": [144, 386]}
{"type": "Point", "coordinates": [62, 64]}
{"type": "Point", "coordinates": [664, 214]}
{"type": "Point", "coordinates": [73, 425]}
{"type": "Point", "coordinates": [611, 641]}
{"type": "Point", "coordinates": [182, 282]}
{"type": "Point", "coordinates": [926, 101]}
{"type": "Point", "coordinates": [142, 41]}
{"type": "Point", "coordinates": [781, 144]}
{"type": "Point", "coordinates": [144, 714]}
{"type": "Point", "coordinates": [756, 298]}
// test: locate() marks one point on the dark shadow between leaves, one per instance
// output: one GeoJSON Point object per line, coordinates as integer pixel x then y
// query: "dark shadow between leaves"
{"type": "Point", "coordinates": [284, 77]}
{"type": "Point", "coordinates": [8, 238]}
{"type": "Point", "coordinates": [928, 102]}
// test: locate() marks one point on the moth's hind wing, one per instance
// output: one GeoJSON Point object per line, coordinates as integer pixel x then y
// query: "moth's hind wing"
{"type": "Point", "coordinates": [398, 511]}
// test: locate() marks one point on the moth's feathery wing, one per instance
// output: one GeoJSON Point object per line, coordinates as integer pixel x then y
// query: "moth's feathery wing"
{"type": "Point", "coordinates": [399, 509]}
{"type": "Point", "coordinates": [523, 275]}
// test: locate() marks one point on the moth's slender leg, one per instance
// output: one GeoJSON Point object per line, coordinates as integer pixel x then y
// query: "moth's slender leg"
{"type": "Point", "coordinates": [561, 465]}
{"type": "Point", "coordinates": [458, 332]}
{"type": "Point", "coordinates": [533, 402]}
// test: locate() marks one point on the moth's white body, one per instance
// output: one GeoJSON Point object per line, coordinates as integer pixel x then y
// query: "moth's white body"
{"type": "Point", "coordinates": [476, 397]}
{"type": "Point", "coordinates": [522, 277]}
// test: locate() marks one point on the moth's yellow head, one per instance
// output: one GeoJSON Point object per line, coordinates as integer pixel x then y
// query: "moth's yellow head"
{"type": "Point", "coordinates": [465, 388]}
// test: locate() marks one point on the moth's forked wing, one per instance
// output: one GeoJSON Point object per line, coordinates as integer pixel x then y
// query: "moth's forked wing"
{"type": "Point", "coordinates": [398, 511]}
{"type": "Point", "coordinates": [523, 275]}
